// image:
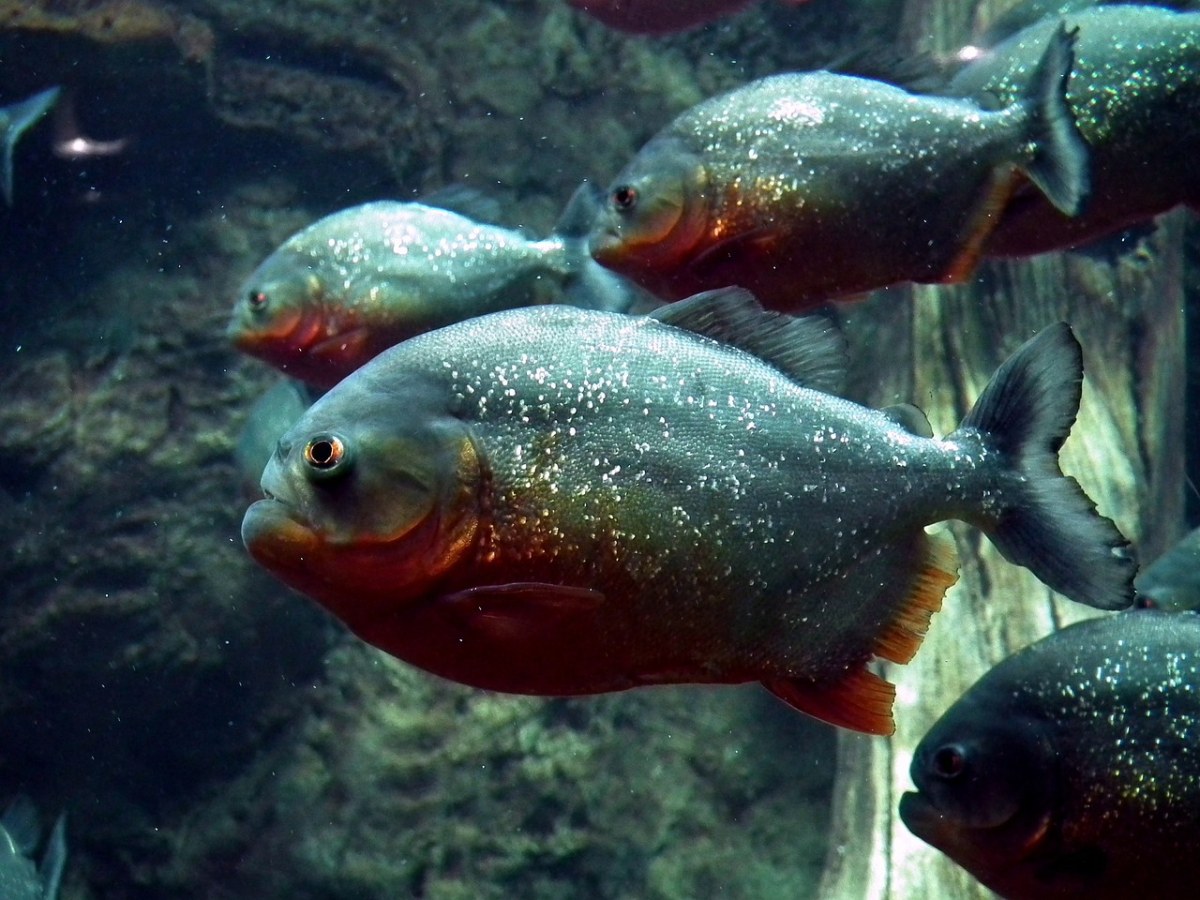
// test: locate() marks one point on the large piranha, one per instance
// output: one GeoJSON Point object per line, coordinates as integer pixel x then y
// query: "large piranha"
{"type": "Point", "coordinates": [562, 501]}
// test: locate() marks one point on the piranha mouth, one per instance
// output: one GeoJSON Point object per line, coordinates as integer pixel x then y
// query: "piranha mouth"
{"type": "Point", "coordinates": [275, 535]}
{"type": "Point", "coordinates": [918, 813]}
{"type": "Point", "coordinates": [605, 243]}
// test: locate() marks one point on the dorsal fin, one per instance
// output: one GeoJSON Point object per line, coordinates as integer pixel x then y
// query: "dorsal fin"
{"type": "Point", "coordinates": [469, 202]}
{"type": "Point", "coordinates": [909, 418]}
{"type": "Point", "coordinates": [810, 350]}
{"type": "Point", "coordinates": [579, 215]}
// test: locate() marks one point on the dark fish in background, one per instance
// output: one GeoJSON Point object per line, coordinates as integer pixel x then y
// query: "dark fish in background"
{"type": "Point", "coordinates": [356, 282]}
{"type": "Point", "coordinates": [561, 501]}
{"type": "Point", "coordinates": [1072, 768]}
{"type": "Point", "coordinates": [1134, 93]}
{"type": "Point", "coordinates": [271, 415]}
{"type": "Point", "coordinates": [1172, 581]}
{"type": "Point", "coordinates": [15, 120]}
{"type": "Point", "coordinates": [808, 186]}
{"type": "Point", "coordinates": [20, 834]}
{"type": "Point", "coordinates": [659, 17]}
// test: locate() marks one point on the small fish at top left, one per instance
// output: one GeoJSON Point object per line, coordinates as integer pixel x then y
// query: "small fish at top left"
{"type": "Point", "coordinates": [15, 120]}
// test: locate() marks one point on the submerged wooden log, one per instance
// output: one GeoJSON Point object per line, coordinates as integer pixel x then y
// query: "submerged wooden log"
{"type": "Point", "coordinates": [1126, 449]}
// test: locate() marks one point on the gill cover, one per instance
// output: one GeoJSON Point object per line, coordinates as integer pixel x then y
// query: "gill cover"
{"type": "Point", "coordinates": [372, 496]}
{"type": "Point", "coordinates": [371, 486]}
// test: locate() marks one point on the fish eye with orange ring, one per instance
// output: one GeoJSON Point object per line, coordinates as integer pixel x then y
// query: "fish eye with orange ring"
{"type": "Point", "coordinates": [326, 456]}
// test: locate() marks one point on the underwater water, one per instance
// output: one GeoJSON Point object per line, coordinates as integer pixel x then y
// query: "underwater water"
{"type": "Point", "coordinates": [212, 733]}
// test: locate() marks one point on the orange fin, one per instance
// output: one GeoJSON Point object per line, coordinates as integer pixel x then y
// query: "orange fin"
{"type": "Point", "coordinates": [862, 701]}
{"type": "Point", "coordinates": [981, 224]}
{"type": "Point", "coordinates": [938, 569]}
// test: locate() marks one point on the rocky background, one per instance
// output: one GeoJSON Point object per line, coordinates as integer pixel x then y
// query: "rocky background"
{"type": "Point", "coordinates": [210, 733]}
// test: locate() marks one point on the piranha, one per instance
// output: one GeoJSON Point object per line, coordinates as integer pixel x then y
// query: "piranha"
{"type": "Point", "coordinates": [809, 186]}
{"type": "Point", "coordinates": [1173, 580]}
{"type": "Point", "coordinates": [1072, 768]}
{"type": "Point", "coordinates": [659, 17]}
{"type": "Point", "coordinates": [1134, 93]}
{"type": "Point", "coordinates": [15, 120]}
{"type": "Point", "coordinates": [560, 501]}
{"type": "Point", "coordinates": [20, 834]}
{"type": "Point", "coordinates": [356, 282]}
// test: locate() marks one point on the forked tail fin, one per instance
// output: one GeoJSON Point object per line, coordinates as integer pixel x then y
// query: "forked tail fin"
{"type": "Point", "coordinates": [1049, 525]}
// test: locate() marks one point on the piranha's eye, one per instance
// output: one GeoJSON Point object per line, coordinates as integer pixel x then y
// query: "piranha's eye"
{"type": "Point", "coordinates": [949, 762]}
{"type": "Point", "coordinates": [326, 454]}
{"type": "Point", "coordinates": [257, 300]}
{"type": "Point", "coordinates": [625, 197]}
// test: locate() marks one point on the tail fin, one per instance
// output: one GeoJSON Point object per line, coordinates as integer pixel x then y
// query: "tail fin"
{"type": "Point", "coordinates": [1051, 527]}
{"type": "Point", "coordinates": [14, 120]}
{"type": "Point", "coordinates": [1059, 166]}
{"type": "Point", "coordinates": [588, 283]}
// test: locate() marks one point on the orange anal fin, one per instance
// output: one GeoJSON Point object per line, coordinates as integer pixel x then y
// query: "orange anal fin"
{"type": "Point", "coordinates": [938, 569]}
{"type": "Point", "coordinates": [982, 222]}
{"type": "Point", "coordinates": [862, 701]}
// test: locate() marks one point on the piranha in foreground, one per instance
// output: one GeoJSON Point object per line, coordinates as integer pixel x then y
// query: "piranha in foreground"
{"type": "Point", "coordinates": [561, 501]}
{"type": "Point", "coordinates": [1072, 769]}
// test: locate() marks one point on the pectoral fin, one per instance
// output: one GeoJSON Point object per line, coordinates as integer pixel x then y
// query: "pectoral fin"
{"type": "Point", "coordinates": [521, 609]}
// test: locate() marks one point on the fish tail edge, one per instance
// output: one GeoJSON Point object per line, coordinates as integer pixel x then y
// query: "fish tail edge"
{"type": "Point", "coordinates": [1052, 527]}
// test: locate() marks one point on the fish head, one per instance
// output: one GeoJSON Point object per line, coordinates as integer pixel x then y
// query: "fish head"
{"type": "Point", "coordinates": [288, 314]}
{"type": "Point", "coordinates": [369, 499]}
{"type": "Point", "coordinates": [656, 212]}
{"type": "Point", "coordinates": [985, 797]}
{"type": "Point", "coordinates": [271, 303]}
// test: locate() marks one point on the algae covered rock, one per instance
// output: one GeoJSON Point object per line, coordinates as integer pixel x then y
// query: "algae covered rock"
{"type": "Point", "coordinates": [208, 732]}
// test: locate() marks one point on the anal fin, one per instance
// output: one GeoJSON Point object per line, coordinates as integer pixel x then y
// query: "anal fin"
{"type": "Point", "coordinates": [936, 571]}
{"type": "Point", "coordinates": [861, 701]}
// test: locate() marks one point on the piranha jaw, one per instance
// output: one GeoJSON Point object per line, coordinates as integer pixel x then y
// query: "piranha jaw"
{"type": "Point", "coordinates": [275, 537]}
{"type": "Point", "coordinates": [308, 344]}
{"type": "Point", "coordinates": [357, 580]}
